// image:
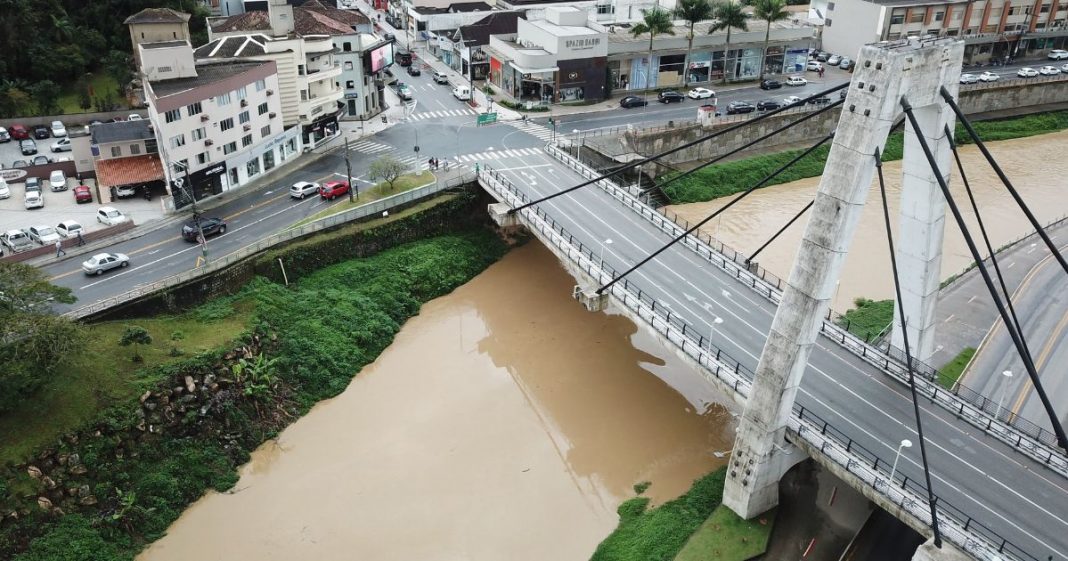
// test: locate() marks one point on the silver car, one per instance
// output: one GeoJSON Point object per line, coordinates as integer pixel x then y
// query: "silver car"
{"type": "Point", "coordinates": [302, 189]}
{"type": "Point", "coordinates": [97, 264]}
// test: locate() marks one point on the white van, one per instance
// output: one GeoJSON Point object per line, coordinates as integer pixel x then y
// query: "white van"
{"type": "Point", "coordinates": [462, 93]}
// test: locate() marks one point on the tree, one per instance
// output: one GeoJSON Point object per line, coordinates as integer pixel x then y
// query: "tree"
{"type": "Point", "coordinates": [729, 15]}
{"type": "Point", "coordinates": [692, 11]}
{"type": "Point", "coordinates": [137, 336]}
{"type": "Point", "coordinates": [655, 22]}
{"type": "Point", "coordinates": [117, 65]}
{"type": "Point", "coordinates": [85, 97]}
{"type": "Point", "coordinates": [25, 289]}
{"type": "Point", "coordinates": [388, 169]}
{"type": "Point", "coordinates": [770, 11]}
{"type": "Point", "coordinates": [46, 94]}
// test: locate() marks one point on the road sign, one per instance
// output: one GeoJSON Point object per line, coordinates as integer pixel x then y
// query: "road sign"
{"type": "Point", "coordinates": [486, 119]}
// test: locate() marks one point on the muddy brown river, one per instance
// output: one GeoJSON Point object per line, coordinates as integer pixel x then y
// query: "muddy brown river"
{"type": "Point", "coordinates": [504, 421]}
{"type": "Point", "coordinates": [1036, 166]}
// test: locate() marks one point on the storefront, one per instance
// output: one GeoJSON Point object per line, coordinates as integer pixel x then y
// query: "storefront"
{"type": "Point", "coordinates": [203, 183]}
{"type": "Point", "coordinates": [262, 158]}
{"type": "Point", "coordinates": [320, 129]}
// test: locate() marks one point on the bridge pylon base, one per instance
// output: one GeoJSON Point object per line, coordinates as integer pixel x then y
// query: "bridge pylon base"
{"type": "Point", "coordinates": [499, 213]}
{"type": "Point", "coordinates": [753, 478]}
{"type": "Point", "coordinates": [590, 299]}
{"type": "Point", "coordinates": [928, 552]}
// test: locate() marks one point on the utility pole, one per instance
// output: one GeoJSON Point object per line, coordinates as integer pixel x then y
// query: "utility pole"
{"type": "Point", "coordinates": [348, 169]}
{"type": "Point", "coordinates": [187, 186]}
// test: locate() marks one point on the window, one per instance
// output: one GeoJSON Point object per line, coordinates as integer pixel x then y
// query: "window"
{"type": "Point", "coordinates": [226, 124]}
{"type": "Point", "coordinates": [606, 9]}
{"type": "Point", "coordinates": [178, 140]}
{"type": "Point", "coordinates": [243, 117]}
{"type": "Point", "coordinates": [1013, 11]}
{"type": "Point", "coordinates": [223, 99]}
{"type": "Point", "coordinates": [268, 160]}
{"type": "Point", "coordinates": [348, 65]}
{"type": "Point", "coordinates": [897, 18]}
{"type": "Point", "coordinates": [300, 69]}
{"type": "Point", "coordinates": [252, 167]}
{"type": "Point", "coordinates": [241, 92]}
{"type": "Point", "coordinates": [246, 141]}
{"type": "Point", "coordinates": [350, 84]}
{"type": "Point", "coordinates": [1044, 9]}
{"type": "Point", "coordinates": [116, 151]}
{"type": "Point", "coordinates": [135, 149]}
{"type": "Point", "coordinates": [827, 22]}
{"type": "Point", "coordinates": [233, 176]}
{"type": "Point", "coordinates": [173, 115]}
{"type": "Point", "coordinates": [265, 131]}
{"type": "Point", "coordinates": [194, 109]}
{"type": "Point", "coordinates": [150, 146]}
{"type": "Point", "coordinates": [939, 16]}
{"type": "Point", "coordinates": [261, 85]}
{"type": "Point", "coordinates": [230, 148]}
{"type": "Point", "coordinates": [262, 108]}
{"type": "Point", "coordinates": [203, 157]}
{"type": "Point", "coordinates": [346, 46]}
{"type": "Point", "coordinates": [304, 95]}
{"type": "Point", "coordinates": [830, 6]}
{"type": "Point", "coordinates": [917, 16]}
{"type": "Point", "coordinates": [198, 134]}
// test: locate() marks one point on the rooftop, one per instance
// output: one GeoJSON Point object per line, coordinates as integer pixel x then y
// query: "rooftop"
{"type": "Point", "coordinates": [454, 8]}
{"type": "Point", "coordinates": [207, 73]}
{"type": "Point", "coordinates": [622, 32]}
{"type": "Point", "coordinates": [562, 30]}
{"type": "Point", "coordinates": [121, 131]}
{"type": "Point", "coordinates": [913, 2]}
{"type": "Point", "coordinates": [497, 23]}
{"type": "Point", "coordinates": [312, 18]}
{"type": "Point", "coordinates": [129, 171]}
{"type": "Point", "coordinates": [157, 15]}
{"type": "Point", "coordinates": [234, 46]}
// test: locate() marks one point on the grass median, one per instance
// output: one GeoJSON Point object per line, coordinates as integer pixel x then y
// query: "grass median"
{"type": "Point", "coordinates": [379, 191]}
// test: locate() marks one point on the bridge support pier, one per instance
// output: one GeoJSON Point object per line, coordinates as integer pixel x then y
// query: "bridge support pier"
{"type": "Point", "coordinates": [928, 552]}
{"type": "Point", "coordinates": [589, 298]}
{"type": "Point", "coordinates": [499, 214]}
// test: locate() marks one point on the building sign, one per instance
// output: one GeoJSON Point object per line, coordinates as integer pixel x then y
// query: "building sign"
{"type": "Point", "coordinates": [581, 44]}
{"type": "Point", "coordinates": [12, 175]}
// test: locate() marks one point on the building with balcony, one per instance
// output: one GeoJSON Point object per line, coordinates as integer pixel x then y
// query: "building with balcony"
{"type": "Point", "coordinates": [991, 30]}
{"type": "Point", "coordinates": [218, 124]}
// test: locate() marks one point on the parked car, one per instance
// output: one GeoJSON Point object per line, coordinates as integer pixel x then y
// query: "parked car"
{"type": "Point", "coordinates": [58, 130]}
{"type": "Point", "coordinates": [1049, 71]}
{"type": "Point", "coordinates": [82, 194]}
{"type": "Point", "coordinates": [846, 63]}
{"type": "Point", "coordinates": [814, 66]}
{"type": "Point", "coordinates": [670, 96]}
{"type": "Point", "coordinates": [124, 191]}
{"type": "Point", "coordinates": [819, 100]}
{"type": "Point", "coordinates": [1027, 72]}
{"type": "Point", "coordinates": [404, 91]}
{"type": "Point", "coordinates": [18, 132]}
{"type": "Point", "coordinates": [968, 78]}
{"type": "Point", "coordinates": [989, 77]}
{"type": "Point", "coordinates": [632, 101]}
{"type": "Point", "coordinates": [16, 240]}
{"type": "Point", "coordinates": [41, 132]}
{"type": "Point", "coordinates": [210, 227]}
{"type": "Point", "coordinates": [770, 85]}
{"type": "Point", "coordinates": [389, 36]}
{"type": "Point", "coordinates": [33, 199]}
{"type": "Point", "coordinates": [33, 184]}
{"type": "Point", "coordinates": [133, 117]}
{"type": "Point", "coordinates": [4, 135]}
{"type": "Point", "coordinates": [413, 70]}
{"type": "Point", "coordinates": [302, 189]}
{"type": "Point", "coordinates": [5, 191]}
{"type": "Point", "coordinates": [1057, 54]}
{"type": "Point", "coordinates": [791, 100]}
{"type": "Point", "coordinates": [796, 81]}
{"type": "Point", "coordinates": [823, 57]}
{"type": "Point", "coordinates": [700, 93]}
{"type": "Point", "coordinates": [20, 164]}
{"type": "Point", "coordinates": [28, 147]}
{"type": "Point", "coordinates": [110, 216]}
{"type": "Point", "coordinates": [1064, 67]}
{"type": "Point", "coordinates": [61, 145]}
{"type": "Point", "coordinates": [44, 235]}
{"type": "Point", "coordinates": [441, 78]}
{"type": "Point", "coordinates": [69, 229]}
{"type": "Point", "coordinates": [768, 105]}
{"type": "Point", "coordinates": [103, 262]}
{"type": "Point", "coordinates": [736, 107]}
{"type": "Point", "coordinates": [833, 60]}
{"type": "Point", "coordinates": [333, 189]}
{"type": "Point", "coordinates": [58, 180]}
{"type": "Point", "coordinates": [41, 160]}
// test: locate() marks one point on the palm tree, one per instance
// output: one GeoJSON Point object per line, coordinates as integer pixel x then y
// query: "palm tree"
{"type": "Point", "coordinates": [692, 11]}
{"type": "Point", "coordinates": [770, 11]}
{"type": "Point", "coordinates": [728, 15]}
{"type": "Point", "coordinates": [654, 22]}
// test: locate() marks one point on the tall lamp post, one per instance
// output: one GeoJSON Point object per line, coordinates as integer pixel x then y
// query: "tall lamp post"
{"type": "Point", "coordinates": [187, 186]}
{"type": "Point", "coordinates": [1007, 375]}
{"type": "Point", "coordinates": [712, 332]}
{"type": "Point", "coordinates": [906, 443]}
{"type": "Point", "coordinates": [607, 241]}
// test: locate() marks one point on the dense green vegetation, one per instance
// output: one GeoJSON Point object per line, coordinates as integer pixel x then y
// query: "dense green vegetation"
{"type": "Point", "coordinates": [659, 534]}
{"type": "Point", "coordinates": [728, 178]}
{"type": "Point", "coordinates": [727, 537]}
{"type": "Point", "coordinates": [869, 318]}
{"type": "Point", "coordinates": [951, 372]}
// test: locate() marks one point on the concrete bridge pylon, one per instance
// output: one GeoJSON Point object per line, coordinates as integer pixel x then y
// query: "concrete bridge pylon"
{"type": "Point", "coordinates": [885, 74]}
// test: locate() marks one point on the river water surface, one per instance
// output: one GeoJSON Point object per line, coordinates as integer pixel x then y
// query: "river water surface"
{"type": "Point", "coordinates": [504, 422]}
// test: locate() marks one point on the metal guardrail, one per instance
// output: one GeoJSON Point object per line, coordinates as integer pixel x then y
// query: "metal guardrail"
{"type": "Point", "coordinates": [1013, 81]}
{"type": "Point", "coordinates": [1025, 439]}
{"type": "Point", "coordinates": [835, 446]}
{"type": "Point", "coordinates": [362, 211]}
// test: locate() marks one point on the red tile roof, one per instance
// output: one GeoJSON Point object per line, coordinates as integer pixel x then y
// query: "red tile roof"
{"type": "Point", "coordinates": [313, 18]}
{"type": "Point", "coordinates": [129, 171]}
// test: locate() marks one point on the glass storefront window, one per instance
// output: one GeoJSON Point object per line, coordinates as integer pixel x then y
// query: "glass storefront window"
{"type": "Point", "coordinates": [572, 94]}
{"type": "Point", "coordinates": [747, 63]}
{"type": "Point", "coordinates": [252, 167]}
{"type": "Point", "coordinates": [268, 160]}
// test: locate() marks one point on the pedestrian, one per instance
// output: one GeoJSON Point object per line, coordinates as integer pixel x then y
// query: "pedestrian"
{"type": "Point", "coordinates": [59, 248]}
{"type": "Point", "coordinates": [820, 73]}
{"type": "Point", "coordinates": [81, 240]}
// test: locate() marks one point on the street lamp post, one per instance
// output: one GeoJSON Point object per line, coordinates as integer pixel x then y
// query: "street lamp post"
{"type": "Point", "coordinates": [187, 186]}
{"type": "Point", "coordinates": [607, 241]}
{"type": "Point", "coordinates": [712, 332]}
{"type": "Point", "coordinates": [906, 443]}
{"type": "Point", "coordinates": [348, 170]}
{"type": "Point", "coordinates": [1007, 375]}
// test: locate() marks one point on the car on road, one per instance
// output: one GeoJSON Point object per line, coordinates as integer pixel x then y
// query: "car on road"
{"type": "Point", "coordinates": [210, 227]}
{"type": "Point", "coordinates": [700, 93]}
{"type": "Point", "coordinates": [18, 132]}
{"type": "Point", "coordinates": [403, 58]}
{"type": "Point", "coordinates": [58, 130]}
{"type": "Point", "coordinates": [41, 132]}
{"type": "Point", "coordinates": [69, 229]}
{"type": "Point", "coordinates": [404, 91]}
{"type": "Point", "coordinates": [82, 194]}
{"type": "Point", "coordinates": [768, 105]}
{"type": "Point", "coordinates": [41, 160]}
{"type": "Point", "coordinates": [989, 77]}
{"type": "Point", "coordinates": [632, 101]}
{"type": "Point", "coordinates": [33, 184]}
{"type": "Point", "coordinates": [461, 92]}
{"type": "Point", "coordinates": [302, 189]}
{"type": "Point", "coordinates": [58, 180]}
{"type": "Point", "coordinates": [413, 70]}
{"type": "Point", "coordinates": [44, 235]}
{"type": "Point", "coordinates": [389, 36]}
{"type": "Point", "coordinates": [28, 147]}
{"type": "Point", "coordinates": [33, 199]}
{"type": "Point", "coordinates": [814, 66]}
{"type": "Point", "coordinates": [770, 85]}
{"type": "Point", "coordinates": [5, 191]}
{"type": "Point", "coordinates": [4, 135]}
{"type": "Point", "coordinates": [333, 189]}
{"type": "Point", "coordinates": [968, 78]}
{"type": "Point", "coordinates": [16, 240]}
{"type": "Point", "coordinates": [791, 100]}
{"type": "Point", "coordinates": [796, 81]}
{"type": "Point", "coordinates": [20, 164]}
{"type": "Point", "coordinates": [110, 216]}
{"type": "Point", "coordinates": [737, 107]}
{"type": "Point", "coordinates": [441, 78]}
{"type": "Point", "coordinates": [819, 100]}
{"type": "Point", "coordinates": [834, 60]}
{"type": "Point", "coordinates": [1057, 54]}
{"type": "Point", "coordinates": [1064, 67]}
{"type": "Point", "coordinates": [61, 145]}
{"type": "Point", "coordinates": [846, 63]}
{"type": "Point", "coordinates": [103, 262]}
{"type": "Point", "coordinates": [1027, 72]}
{"type": "Point", "coordinates": [670, 96]}
{"type": "Point", "coordinates": [1049, 71]}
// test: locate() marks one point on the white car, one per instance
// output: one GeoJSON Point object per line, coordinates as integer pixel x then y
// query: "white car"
{"type": "Point", "coordinates": [989, 77]}
{"type": "Point", "coordinates": [110, 216]}
{"type": "Point", "coordinates": [796, 81]}
{"type": "Point", "coordinates": [302, 189]}
{"type": "Point", "coordinates": [1049, 71]}
{"type": "Point", "coordinates": [5, 191]}
{"type": "Point", "coordinates": [968, 78]}
{"type": "Point", "coordinates": [700, 93]}
{"type": "Point", "coordinates": [58, 180]}
{"type": "Point", "coordinates": [97, 264]}
{"type": "Point", "coordinates": [1064, 67]}
{"type": "Point", "coordinates": [834, 60]}
{"type": "Point", "coordinates": [1057, 54]}
{"type": "Point", "coordinates": [790, 100]}
{"type": "Point", "coordinates": [133, 117]}
{"type": "Point", "coordinates": [814, 66]}
{"type": "Point", "coordinates": [1027, 72]}
{"type": "Point", "coordinates": [58, 130]}
{"type": "Point", "coordinates": [69, 229]}
{"type": "Point", "coordinates": [61, 145]}
{"type": "Point", "coordinates": [44, 235]}
{"type": "Point", "coordinates": [33, 200]}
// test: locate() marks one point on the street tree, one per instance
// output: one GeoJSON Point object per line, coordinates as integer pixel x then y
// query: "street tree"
{"type": "Point", "coordinates": [693, 12]}
{"type": "Point", "coordinates": [46, 94]}
{"type": "Point", "coordinates": [135, 335]}
{"type": "Point", "coordinates": [770, 11]}
{"type": "Point", "coordinates": [387, 169]}
{"type": "Point", "coordinates": [729, 15]}
{"type": "Point", "coordinates": [655, 21]}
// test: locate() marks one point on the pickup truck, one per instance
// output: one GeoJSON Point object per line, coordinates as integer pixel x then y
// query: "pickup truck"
{"type": "Point", "coordinates": [17, 240]}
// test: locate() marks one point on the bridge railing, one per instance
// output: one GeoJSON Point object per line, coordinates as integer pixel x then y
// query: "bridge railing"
{"type": "Point", "coordinates": [1025, 437]}
{"type": "Point", "coordinates": [833, 444]}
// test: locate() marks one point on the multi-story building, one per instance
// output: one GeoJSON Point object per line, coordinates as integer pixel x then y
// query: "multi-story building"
{"type": "Point", "coordinates": [126, 156]}
{"type": "Point", "coordinates": [991, 29]}
{"type": "Point", "coordinates": [154, 25]}
{"type": "Point", "coordinates": [218, 124]}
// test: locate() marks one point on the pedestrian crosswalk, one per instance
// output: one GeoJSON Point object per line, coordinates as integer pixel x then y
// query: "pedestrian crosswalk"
{"type": "Point", "coordinates": [498, 155]}
{"type": "Point", "coordinates": [542, 133]}
{"type": "Point", "coordinates": [369, 147]}
{"type": "Point", "coordinates": [441, 114]}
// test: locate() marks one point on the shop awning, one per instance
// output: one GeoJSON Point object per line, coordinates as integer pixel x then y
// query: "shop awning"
{"type": "Point", "coordinates": [534, 70]}
{"type": "Point", "coordinates": [129, 171]}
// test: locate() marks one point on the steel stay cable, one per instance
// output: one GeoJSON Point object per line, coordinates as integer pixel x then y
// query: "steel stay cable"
{"type": "Point", "coordinates": [679, 148]}
{"type": "Point", "coordinates": [781, 230]}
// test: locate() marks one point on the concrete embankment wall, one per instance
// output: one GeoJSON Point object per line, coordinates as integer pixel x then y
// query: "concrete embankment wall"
{"type": "Point", "coordinates": [1006, 99]}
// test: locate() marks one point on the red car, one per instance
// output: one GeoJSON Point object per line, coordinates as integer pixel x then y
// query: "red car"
{"type": "Point", "coordinates": [19, 132]}
{"type": "Point", "coordinates": [82, 194]}
{"type": "Point", "coordinates": [333, 189]}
